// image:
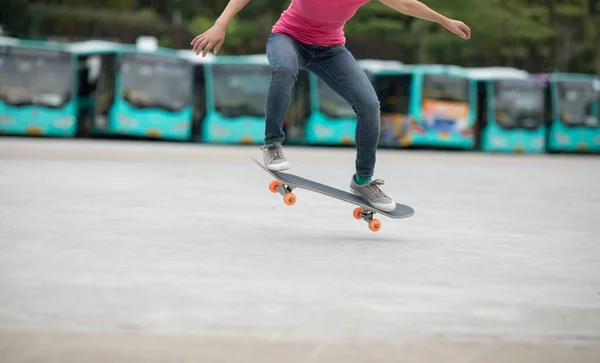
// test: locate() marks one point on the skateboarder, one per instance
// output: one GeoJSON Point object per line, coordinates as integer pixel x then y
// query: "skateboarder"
{"type": "Point", "coordinates": [310, 35]}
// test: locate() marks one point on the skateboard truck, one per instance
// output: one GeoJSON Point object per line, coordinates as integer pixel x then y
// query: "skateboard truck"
{"type": "Point", "coordinates": [289, 198]}
{"type": "Point", "coordinates": [367, 215]}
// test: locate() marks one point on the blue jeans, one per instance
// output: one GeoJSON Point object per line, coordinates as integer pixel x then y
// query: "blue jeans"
{"type": "Point", "coordinates": [337, 67]}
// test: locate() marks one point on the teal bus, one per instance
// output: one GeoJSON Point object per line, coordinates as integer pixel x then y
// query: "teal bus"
{"type": "Point", "coordinates": [424, 105]}
{"type": "Point", "coordinates": [233, 90]}
{"type": "Point", "coordinates": [393, 83]}
{"type": "Point", "coordinates": [575, 104]}
{"type": "Point", "coordinates": [145, 91]}
{"type": "Point", "coordinates": [46, 88]}
{"type": "Point", "coordinates": [443, 106]}
{"type": "Point", "coordinates": [511, 113]}
{"type": "Point", "coordinates": [235, 99]}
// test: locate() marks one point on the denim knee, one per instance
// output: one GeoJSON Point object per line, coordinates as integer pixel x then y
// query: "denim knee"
{"type": "Point", "coordinates": [284, 73]}
{"type": "Point", "coordinates": [368, 108]}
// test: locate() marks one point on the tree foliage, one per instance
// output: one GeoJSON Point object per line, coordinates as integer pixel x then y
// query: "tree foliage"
{"type": "Point", "coordinates": [536, 35]}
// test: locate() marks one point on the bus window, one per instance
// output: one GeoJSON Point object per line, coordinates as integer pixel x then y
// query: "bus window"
{"type": "Point", "coordinates": [240, 89]}
{"type": "Point", "coordinates": [34, 76]}
{"type": "Point", "coordinates": [519, 104]}
{"type": "Point", "coordinates": [445, 88]}
{"type": "Point", "coordinates": [156, 82]}
{"type": "Point", "coordinates": [394, 93]}
{"type": "Point", "coordinates": [575, 103]}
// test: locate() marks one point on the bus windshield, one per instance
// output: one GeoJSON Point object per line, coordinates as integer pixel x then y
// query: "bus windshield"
{"type": "Point", "coordinates": [34, 76]}
{"type": "Point", "coordinates": [445, 88]}
{"type": "Point", "coordinates": [240, 89]}
{"type": "Point", "coordinates": [576, 101]}
{"type": "Point", "coordinates": [151, 81]}
{"type": "Point", "coordinates": [519, 104]}
{"type": "Point", "coordinates": [394, 92]}
{"type": "Point", "coordinates": [333, 105]}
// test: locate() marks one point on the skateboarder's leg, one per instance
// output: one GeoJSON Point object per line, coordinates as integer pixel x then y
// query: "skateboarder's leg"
{"type": "Point", "coordinates": [339, 70]}
{"type": "Point", "coordinates": [283, 56]}
{"type": "Point", "coordinates": [337, 67]}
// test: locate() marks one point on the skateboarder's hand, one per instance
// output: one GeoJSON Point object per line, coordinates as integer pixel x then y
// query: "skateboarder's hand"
{"type": "Point", "coordinates": [458, 27]}
{"type": "Point", "coordinates": [212, 38]}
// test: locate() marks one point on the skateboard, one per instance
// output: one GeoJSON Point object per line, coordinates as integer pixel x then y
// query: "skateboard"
{"type": "Point", "coordinates": [285, 183]}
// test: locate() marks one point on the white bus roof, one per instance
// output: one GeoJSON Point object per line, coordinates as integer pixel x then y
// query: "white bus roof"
{"type": "Point", "coordinates": [376, 65]}
{"type": "Point", "coordinates": [90, 46]}
{"type": "Point", "coordinates": [8, 41]}
{"type": "Point", "coordinates": [191, 56]}
{"type": "Point", "coordinates": [498, 73]}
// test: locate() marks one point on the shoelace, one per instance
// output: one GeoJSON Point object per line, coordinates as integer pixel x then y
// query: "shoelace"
{"type": "Point", "coordinates": [274, 149]}
{"type": "Point", "coordinates": [374, 187]}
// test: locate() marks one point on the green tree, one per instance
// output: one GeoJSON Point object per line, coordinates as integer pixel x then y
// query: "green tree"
{"type": "Point", "coordinates": [15, 17]}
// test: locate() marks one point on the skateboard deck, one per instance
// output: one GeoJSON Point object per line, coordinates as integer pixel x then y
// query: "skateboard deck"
{"type": "Point", "coordinates": [285, 183]}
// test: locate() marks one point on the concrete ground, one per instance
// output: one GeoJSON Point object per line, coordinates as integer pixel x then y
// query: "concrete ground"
{"type": "Point", "coordinates": [120, 251]}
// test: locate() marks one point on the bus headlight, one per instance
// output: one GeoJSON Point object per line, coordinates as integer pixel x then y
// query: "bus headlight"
{"type": "Point", "coordinates": [128, 122]}
{"type": "Point", "coordinates": [323, 131]}
{"type": "Point", "coordinates": [6, 120]}
{"type": "Point", "coordinates": [563, 138]}
{"type": "Point", "coordinates": [64, 123]}
{"type": "Point", "coordinates": [181, 126]}
{"type": "Point", "coordinates": [499, 141]}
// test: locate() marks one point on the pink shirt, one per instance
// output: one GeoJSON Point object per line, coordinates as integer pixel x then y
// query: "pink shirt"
{"type": "Point", "coordinates": [317, 22]}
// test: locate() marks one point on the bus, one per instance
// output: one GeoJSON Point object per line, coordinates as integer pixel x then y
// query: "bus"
{"type": "Point", "coordinates": [46, 88]}
{"type": "Point", "coordinates": [511, 113]}
{"type": "Point", "coordinates": [145, 91]}
{"type": "Point", "coordinates": [234, 90]}
{"type": "Point", "coordinates": [393, 84]}
{"type": "Point", "coordinates": [574, 125]}
{"type": "Point", "coordinates": [443, 107]}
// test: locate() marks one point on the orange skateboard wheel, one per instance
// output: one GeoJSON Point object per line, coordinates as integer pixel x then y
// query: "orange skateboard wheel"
{"type": "Point", "coordinates": [289, 199]}
{"type": "Point", "coordinates": [356, 212]}
{"type": "Point", "coordinates": [374, 225]}
{"type": "Point", "coordinates": [274, 185]}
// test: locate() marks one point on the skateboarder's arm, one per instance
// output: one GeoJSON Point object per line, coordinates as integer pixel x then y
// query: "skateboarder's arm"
{"type": "Point", "coordinates": [215, 36]}
{"type": "Point", "coordinates": [232, 8]}
{"type": "Point", "coordinates": [419, 10]}
{"type": "Point", "coordinates": [415, 8]}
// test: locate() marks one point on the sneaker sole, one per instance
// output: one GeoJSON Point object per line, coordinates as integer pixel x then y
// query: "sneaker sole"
{"type": "Point", "coordinates": [278, 167]}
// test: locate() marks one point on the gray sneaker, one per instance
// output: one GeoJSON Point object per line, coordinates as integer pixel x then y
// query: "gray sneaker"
{"type": "Point", "coordinates": [274, 158]}
{"type": "Point", "coordinates": [372, 194]}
